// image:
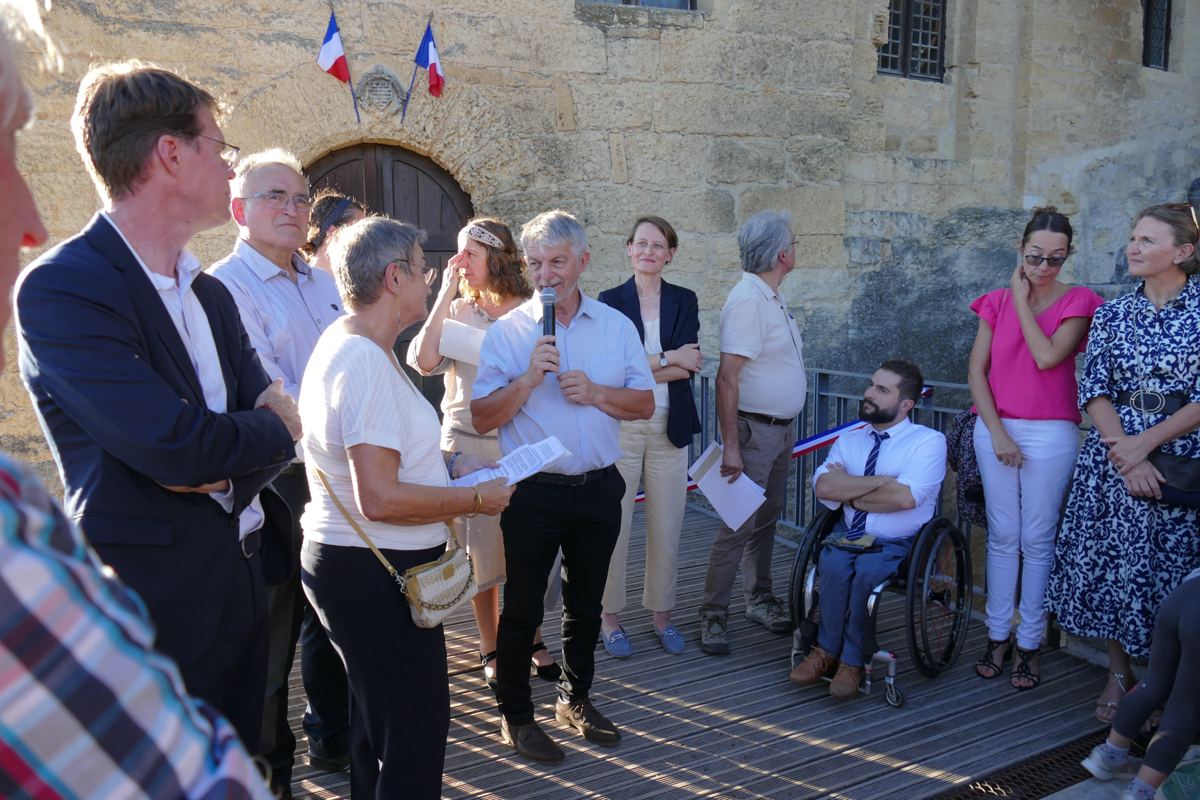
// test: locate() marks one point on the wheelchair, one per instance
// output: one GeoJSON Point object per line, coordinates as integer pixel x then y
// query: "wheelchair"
{"type": "Point", "coordinates": [935, 579]}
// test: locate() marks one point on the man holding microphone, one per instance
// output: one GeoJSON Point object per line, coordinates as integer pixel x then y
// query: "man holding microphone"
{"type": "Point", "coordinates": [576, 383]}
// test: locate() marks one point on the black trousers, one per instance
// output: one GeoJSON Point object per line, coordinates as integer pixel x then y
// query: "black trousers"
{"type": "Point", "coordinates": [324, 677]}
{"type": "Point", "coordinates": [399, 692]}
{"type": "Point", "coordinates": [584, 522]}
{"type": "Point", "coordinates": [1169, 683]}
{"type": "Point", "coordinates": [232, 674]}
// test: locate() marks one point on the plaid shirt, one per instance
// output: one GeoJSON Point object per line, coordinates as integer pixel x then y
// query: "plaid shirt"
{"type": "Point", "coordinates": [87, 708]}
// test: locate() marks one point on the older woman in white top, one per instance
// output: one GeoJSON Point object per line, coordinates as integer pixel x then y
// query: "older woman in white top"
{"type": "Point", "coordinates": [375, 439]}
{"type": "Point", "coordinates": [482, 282]}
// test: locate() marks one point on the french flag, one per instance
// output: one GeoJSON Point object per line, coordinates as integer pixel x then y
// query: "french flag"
{"type": "Point", "coordinates": [332, 57]}
{"type": "Point", "coordinates": [427, 58]}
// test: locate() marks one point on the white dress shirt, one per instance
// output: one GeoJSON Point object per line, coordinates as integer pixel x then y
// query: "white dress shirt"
{"type": "Point", "coordinates": [601, 342]}
{"type": "Point", "coordinates": [912, 454]}
{"type": "Point", "coordinates": [194, 329]}
{"type": "Point", "coordinates": [755, 323]}
{"type": "Point", "coordinates": [283, 319]}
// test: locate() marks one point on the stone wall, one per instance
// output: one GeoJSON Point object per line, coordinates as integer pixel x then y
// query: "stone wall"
{"type": "Point", "coordinates": [907, 195]}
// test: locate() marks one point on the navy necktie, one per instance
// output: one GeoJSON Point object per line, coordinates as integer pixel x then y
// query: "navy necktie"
{"type": "Point", "coordinates": [858, 525]}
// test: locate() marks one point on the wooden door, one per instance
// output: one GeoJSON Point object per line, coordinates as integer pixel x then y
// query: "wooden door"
{"type": "Point", "coordinates": [408, 187]}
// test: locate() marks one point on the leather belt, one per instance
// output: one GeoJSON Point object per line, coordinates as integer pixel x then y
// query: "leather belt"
{"type": "Point", "coordinates": [764, 418]}
{"type": "Point", "coordinates": [251, 544]}
{"type": "Point", "coordinates": [554, 479]}
{"type": "Point", "coordinates": [1152, 402]}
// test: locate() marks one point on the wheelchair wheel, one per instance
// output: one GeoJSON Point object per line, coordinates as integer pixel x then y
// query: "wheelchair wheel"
{"type": "Point", "coordinates": [816, 531]}
{"type": "Point", "coordinates": [893, 696]}
{"type": "Point", "coordinates": [939, 596]}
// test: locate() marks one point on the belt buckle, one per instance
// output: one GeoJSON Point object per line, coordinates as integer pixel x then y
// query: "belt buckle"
{"type": "Point", "coordinates": [1137, 403]}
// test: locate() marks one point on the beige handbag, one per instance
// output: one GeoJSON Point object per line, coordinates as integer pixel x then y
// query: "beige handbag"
{"type": "Point", "coordinates": [433, 589]}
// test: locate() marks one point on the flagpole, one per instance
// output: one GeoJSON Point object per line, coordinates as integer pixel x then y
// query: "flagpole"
{"type": "Point", "coordinates": [350, 81]}
{"type": "Point", "coordinates": [413, 80]}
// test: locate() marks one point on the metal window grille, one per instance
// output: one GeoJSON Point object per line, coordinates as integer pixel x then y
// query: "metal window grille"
{"type": "Point", "coordinates": [916, 44]}
{"type": "Point", "coordinates": [1156, 33]}
{"type": "Point", "coordinates": [682, 5]}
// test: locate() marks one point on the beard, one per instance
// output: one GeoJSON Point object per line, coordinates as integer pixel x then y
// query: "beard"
{"type": "Point", "coordinates": [869, 412]}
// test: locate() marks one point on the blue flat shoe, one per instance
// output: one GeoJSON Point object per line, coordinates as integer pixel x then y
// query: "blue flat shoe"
{"type": "Point", "coordinates": [617, 643]}
{"type": "Point", "coordinates": [671, 640]}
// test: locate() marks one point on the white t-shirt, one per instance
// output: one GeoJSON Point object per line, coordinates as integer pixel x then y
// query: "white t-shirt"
{"type": "Point", "coordinates": [355, 393]}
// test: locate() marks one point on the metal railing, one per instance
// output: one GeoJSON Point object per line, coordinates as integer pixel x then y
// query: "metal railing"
{"type": "Point", "coordinates": [832, 400]}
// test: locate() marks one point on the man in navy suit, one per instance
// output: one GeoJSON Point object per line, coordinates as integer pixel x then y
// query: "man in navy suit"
{"type": "Point", "coordinates": [162, 422]}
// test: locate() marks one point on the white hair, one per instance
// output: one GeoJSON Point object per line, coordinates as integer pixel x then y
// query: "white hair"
{"type": "Point", "coordinates": [21, 22]}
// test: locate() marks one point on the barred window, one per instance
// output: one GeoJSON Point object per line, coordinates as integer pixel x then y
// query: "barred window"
{"type": "Point", "coordinates": [1156, 33]}
{"type": "Point", "coordinates": [682, 5]}
{"type": "Point", "coordinates": [916, 43]}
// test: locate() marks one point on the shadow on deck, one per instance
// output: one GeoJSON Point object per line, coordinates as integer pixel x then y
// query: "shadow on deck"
{"type": "Point", "coordinates": [734, 727]}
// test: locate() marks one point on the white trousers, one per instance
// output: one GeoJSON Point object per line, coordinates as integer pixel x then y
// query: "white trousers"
{"type": "Point", "coordinates": [1023, 507]}
{"type": "Point", "coordinates": [647, 452]}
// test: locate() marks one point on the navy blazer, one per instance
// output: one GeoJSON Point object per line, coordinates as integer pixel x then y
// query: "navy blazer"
{"type": "Point", "coordinates": [679, 324]}
{"type": "Point", "coordinates": [123, 412]}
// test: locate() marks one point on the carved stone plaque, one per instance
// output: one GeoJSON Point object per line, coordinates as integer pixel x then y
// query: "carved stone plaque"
{"type": "Point", "coordinates": [380, 91]}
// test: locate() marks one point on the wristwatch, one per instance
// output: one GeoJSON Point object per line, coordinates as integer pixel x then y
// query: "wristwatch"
{"type": "Point", "coordinates": [662, 360]}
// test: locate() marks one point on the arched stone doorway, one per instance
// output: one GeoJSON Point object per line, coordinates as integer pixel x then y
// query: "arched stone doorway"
{"type": "Point", "coordinates": [405, 186]}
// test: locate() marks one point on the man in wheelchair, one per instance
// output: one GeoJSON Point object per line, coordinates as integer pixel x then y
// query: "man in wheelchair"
{"type": "Point", "coordinates": [886, 477]}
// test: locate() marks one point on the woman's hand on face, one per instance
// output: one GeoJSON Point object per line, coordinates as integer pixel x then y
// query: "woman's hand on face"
{"type": "Point", "coordinates": [495, 495]}
{"type": "Point", "coordinates": [1007, 452]}
{"type": "Point", "coordinates": [466, 464]}
{"type": "Point", "coordinates": [1020, 284]}
{"type": "Point", "coordinates": [450, 277]}
{"type": "Point", "coordinates": [1144, 480]}
{"type": "Point", "coordinates": [1126, 452]}
{"type": "Point", "coordinates": [687, 357]}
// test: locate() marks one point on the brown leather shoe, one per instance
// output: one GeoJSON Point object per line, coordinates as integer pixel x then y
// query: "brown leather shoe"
{"type": "Point", "coordinates": [531, 742]}
{"type": "Point", "coordinates": [846, 682]}
{"type": "Point", "coordinates": [584, 718]}
{"type": "Point", "coordinates": [816, 665]}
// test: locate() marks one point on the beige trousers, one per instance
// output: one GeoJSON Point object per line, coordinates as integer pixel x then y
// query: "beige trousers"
{"type": "Point", "coordinates": [480, 534]}
{"type": "Point", "coordinates": [647, 453]}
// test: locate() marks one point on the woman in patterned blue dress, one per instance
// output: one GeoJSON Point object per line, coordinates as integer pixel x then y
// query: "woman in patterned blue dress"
{"type": "Point", "coordinates": [1121, 550]}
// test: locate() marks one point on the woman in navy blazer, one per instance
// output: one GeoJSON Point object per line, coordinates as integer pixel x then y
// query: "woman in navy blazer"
{"type": "Point", "coordinates": [668, 320]}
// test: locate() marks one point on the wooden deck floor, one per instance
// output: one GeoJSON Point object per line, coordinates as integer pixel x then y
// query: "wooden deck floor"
{"type": "Point", "coordinates": [734, 727]}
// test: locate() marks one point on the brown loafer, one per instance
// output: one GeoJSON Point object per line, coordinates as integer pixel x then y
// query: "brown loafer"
{"type": "Point", "coordinates": [584, 718]}
{"type": "Point", "coordinates": [531, 742]}
{"type": "Point", "coordinates": [846, 682]}
{"type": "Point", "coordinates": [816, 665]}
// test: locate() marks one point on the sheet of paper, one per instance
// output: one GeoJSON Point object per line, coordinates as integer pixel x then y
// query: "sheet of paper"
{"type": "Point", "coordinates": [519, 464]}
{"type": "Point", "coordinates": [461, 342]}
{"type": "Point", "coordinates": [734, 502]}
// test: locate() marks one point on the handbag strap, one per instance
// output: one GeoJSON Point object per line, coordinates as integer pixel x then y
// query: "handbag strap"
{"type": "Point", "coordinates": [396, 576]}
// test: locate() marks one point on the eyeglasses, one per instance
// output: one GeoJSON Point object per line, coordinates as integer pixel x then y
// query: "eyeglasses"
{"type": "Point", "coordinates": [1053, 261]}
{"type": "Point", "coordinates": [277, 198]}
{"type": "Point", "coordinates": [1195, 221]}
{"type": "Point", "coordinates": [228, 152]}
{"type": "Point", "coordinates": [428, 273]}
{"type": "Point", "coordinates": [795, 241]}
{"type": "Point", "coordinates": [658, 248]}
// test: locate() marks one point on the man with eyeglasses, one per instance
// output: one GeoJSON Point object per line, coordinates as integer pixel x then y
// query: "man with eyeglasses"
{"type": "Point", "coordinates": [285, 305]}
{"type": "Point", "coordinates": [162, 422]}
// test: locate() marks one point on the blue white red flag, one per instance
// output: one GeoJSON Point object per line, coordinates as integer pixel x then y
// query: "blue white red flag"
{"type": "Point", "coordinates": [427, 58]}
{"type": "Point", "coordinates": [332, 57]}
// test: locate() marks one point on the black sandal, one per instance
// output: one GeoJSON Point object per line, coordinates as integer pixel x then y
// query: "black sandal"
{"type": "Point", "coordinates": [988, 663]}
{"type": "Point", "coordinates": [549, 673]}
{"type": "Point", "coordinates": [1022, 671]}
{"type": "Point", "coordinates": [485, 659]}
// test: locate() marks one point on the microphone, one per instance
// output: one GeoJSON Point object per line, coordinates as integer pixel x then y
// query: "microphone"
{"type": "Point", "coordinates": [548, 296]}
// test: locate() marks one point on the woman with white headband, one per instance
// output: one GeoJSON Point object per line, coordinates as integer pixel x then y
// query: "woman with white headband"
{"type": "Point", "coordinates": [482, 282]}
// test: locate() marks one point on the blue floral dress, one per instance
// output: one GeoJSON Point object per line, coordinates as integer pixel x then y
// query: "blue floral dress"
{"type": "Point", "coordinates": [1119, 556]}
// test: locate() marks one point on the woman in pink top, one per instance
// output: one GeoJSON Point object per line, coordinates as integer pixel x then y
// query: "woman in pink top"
{"type": "Point", "coordinates": [1022, 377]}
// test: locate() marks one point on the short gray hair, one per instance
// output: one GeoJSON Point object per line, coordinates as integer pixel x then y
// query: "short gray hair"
{"type": "Point", "coordinates": [554, 228]}
{"type": "Point", "coordinates": [762, 238]}
{"type": "Point", "coordinates": [360, 254]}
{"type": "Point", "coordinates": [21, 24]}
{"type": "Point", "coordinates": [250, 164]}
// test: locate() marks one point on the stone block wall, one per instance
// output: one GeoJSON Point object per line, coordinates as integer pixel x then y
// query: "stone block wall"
{"type": "Point", "coordinates": [907, 195]}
